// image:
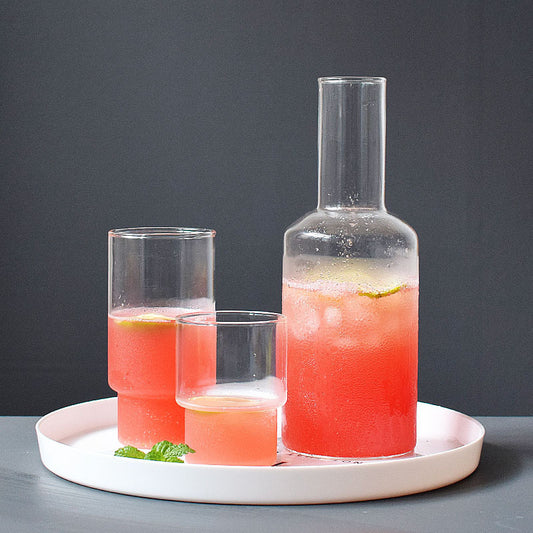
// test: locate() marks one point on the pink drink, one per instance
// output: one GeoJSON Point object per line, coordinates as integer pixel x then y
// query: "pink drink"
{"type": "Point", "coordinates": [231, 431]}
{"type": "Point", "coordinates": [142, 369]}
{"type": "Point", "coordinates": [352, 370]}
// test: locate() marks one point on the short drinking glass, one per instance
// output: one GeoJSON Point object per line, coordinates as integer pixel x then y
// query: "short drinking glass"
{"type": "Point", "coordinates": [231, 381]}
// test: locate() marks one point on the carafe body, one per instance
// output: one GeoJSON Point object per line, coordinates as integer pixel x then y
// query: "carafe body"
{"type": "Point", "coordinates": [350, 292]}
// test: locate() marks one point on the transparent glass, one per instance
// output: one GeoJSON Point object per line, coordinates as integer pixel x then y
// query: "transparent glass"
{"type": "Point", "coordinates": [350, 292]}
{"type": "Point", "coordinates": [231, 381]}
{"type": "Point", "coordinates": [155, 274]}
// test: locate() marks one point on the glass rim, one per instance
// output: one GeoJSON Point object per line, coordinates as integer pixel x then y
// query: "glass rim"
{"type": "Point", "coordinates": [144, 232]}
{"type": "Point", "coordinates": [352, 79]}
{"type": "Point", "coordinates": [263, 318]}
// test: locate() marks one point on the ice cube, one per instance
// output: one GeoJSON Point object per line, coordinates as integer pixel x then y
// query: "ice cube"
{"type": "Point", "coordinates": [332, 316]}
{"type": "Point", "coordinates": [305, 323]}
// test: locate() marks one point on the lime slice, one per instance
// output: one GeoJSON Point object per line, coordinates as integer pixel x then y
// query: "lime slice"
{"type": "Point", "coordinates": [154, 317]}
{"type": "Point", "coordinates": [364, 276]}
{"type": "Point", "coordinates": [381, 294]}
{"type": "Point", "coordinates": [146, 320]}
{"type": "Point", "coordinates": [343, 272]}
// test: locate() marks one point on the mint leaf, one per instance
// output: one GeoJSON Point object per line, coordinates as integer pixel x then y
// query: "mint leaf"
{"type": "Point", "coordinates": [162, 446]}
{"type": "Point", "coordinates": [130, 451]}
{"type": "Point", "coordinates": [163, 451]}
{"type": "Point", "coordinates": [174, 460]}
{"type": "Point", "coordinates": [154, 455]}
{"type": "Point", "coordinates": [170, 451]}
{"type": "Point", "coordinates": [183, 449]}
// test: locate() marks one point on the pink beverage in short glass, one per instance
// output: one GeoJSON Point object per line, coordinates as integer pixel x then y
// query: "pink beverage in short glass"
{"type": "Point", "coordinates": [231, 431]}
{"type": "Point", "coordinates": [231, 410]}
{"type": "Point", "coordinates": [155, 274]}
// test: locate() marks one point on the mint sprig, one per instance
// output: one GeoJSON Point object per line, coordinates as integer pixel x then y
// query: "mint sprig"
{"type": "Point", "coordinates": [171, 451]}
{"type": "Point", "coordinates": [163, 451]}
{"type": "Point", "coordinates": [130, 451]}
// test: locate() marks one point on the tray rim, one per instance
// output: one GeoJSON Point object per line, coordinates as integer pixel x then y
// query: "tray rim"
{"type": "Point", "coordinates": [462, 461]}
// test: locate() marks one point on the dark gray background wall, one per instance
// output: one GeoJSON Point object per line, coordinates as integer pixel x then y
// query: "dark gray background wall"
{"type": "Point", "coordinates": [117, 114]}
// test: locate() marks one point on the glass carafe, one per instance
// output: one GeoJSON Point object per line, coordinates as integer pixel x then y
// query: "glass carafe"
{"type": "Point", "coordinates": [350, 292]}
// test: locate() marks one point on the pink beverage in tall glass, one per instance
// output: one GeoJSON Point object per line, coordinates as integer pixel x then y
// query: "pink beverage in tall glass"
{"type": "Point", "coordinates": [352, 370]}
{"type": "Point", "coordinates": [142, 369]}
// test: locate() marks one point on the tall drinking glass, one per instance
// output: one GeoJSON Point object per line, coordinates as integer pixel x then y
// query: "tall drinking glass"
{"type": "Point", "coordinates": [155, 274]}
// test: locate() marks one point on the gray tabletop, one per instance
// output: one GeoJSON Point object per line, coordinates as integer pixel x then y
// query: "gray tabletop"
{"type": "Point", "coordinates": [497, 497]}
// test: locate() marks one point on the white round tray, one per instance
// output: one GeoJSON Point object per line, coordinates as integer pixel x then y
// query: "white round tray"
{"type": "Point", "coordinates": [77, 443]}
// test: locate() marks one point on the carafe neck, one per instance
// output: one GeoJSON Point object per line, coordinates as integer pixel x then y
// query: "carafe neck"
{"type": "Point", "coordinates": [351, 143]}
